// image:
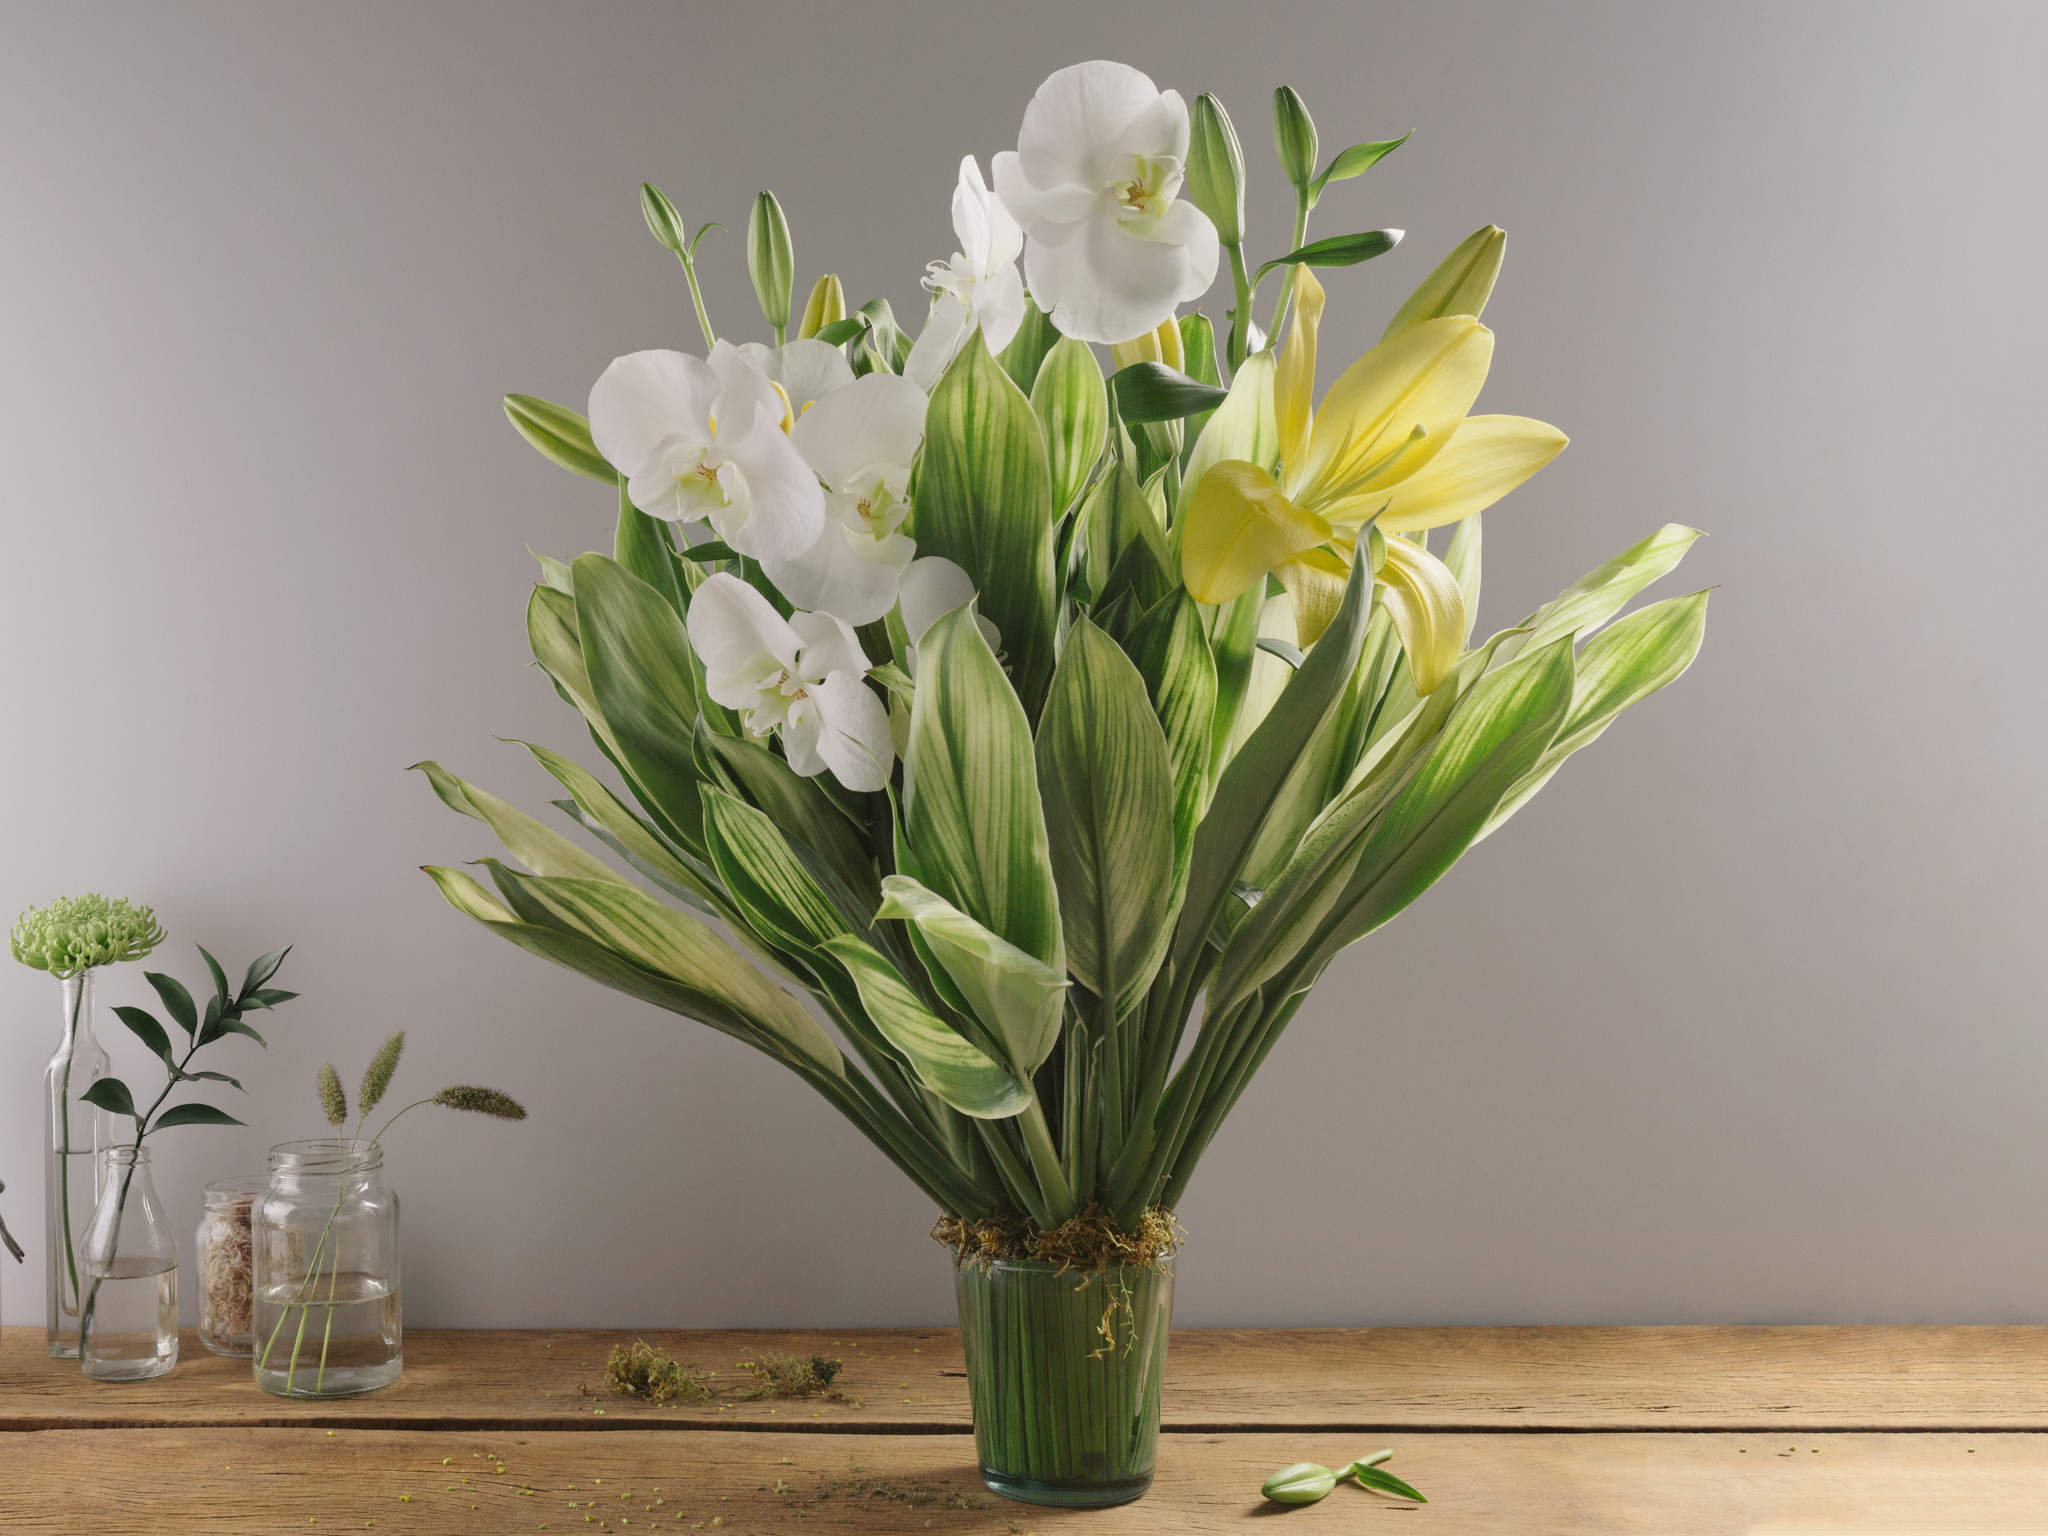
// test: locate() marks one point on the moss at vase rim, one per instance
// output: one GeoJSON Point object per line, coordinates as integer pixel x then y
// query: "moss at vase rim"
{"type": "Point", "coordinates": [1088, 1242]}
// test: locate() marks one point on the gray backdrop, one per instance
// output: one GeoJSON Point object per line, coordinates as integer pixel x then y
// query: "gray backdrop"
{"type": "Point", "coordinates": [1739, 1022]}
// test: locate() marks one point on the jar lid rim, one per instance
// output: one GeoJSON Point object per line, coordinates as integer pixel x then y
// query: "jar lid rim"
{"type": "Point", "coordinates": [325, 1154]}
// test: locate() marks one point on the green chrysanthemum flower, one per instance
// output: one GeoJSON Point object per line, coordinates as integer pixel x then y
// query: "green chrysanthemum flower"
{"type": "Point", "coordinates": [78, 933]}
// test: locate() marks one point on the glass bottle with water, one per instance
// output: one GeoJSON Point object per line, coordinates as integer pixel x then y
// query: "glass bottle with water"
{"type": "Point", "coordinates": [128, 1268]}
{"type": "Point", "coordinates": [327, 1320]}
{"type": "Point", "coordinates": [74, 1133]}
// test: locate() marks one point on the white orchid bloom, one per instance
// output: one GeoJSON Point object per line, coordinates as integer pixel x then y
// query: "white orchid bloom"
{"type": "Point", "coordinates": [860, 440]}
{"type": "Point", "coordinates": [801, 676]}
{"type": "Point", "coordinates": [700, 438]}
{"type": "Point", "coordinates": [933, 587]}
{"type": "Point", "coordinates": [806, 371]}
{"type": "Point", "coordinates": [978, 287]}
{"type": "Point", "coordinates": [1110, 248]}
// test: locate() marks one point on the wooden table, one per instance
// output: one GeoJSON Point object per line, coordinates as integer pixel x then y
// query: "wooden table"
{"type": "Point", "coordinates": [1669, 1431]}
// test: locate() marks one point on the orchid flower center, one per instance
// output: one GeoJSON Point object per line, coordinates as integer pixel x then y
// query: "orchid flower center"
{"type": "Point", "coordinates": [870, 505]}
{"type": "Point", "coordinates": [1144, 185]}
{"type": "Point", "coordinates": [705, 481]}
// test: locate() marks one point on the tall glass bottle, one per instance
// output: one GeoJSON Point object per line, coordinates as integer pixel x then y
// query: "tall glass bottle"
{"type": "Point", "coordinates": [128, 1326]}
{"type": "Point", "coordinates": [74, 1135]}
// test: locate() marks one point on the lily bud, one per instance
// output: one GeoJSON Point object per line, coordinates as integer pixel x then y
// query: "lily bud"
{"type": "Point", "coordinates": [1215, 168]}
{"type": "Point", "coordinates": [770, 262]}
{"type": "Point", "coordinates": [1294, 136]}
{"type": "Point", "coordinates": [1460, 285]}
{"type": "Point", "coordinates": [663, 221]}
{"type": "Point", "coordinates": [1161, 345]}
{"type": "Point", "coordinates": [827, 306]}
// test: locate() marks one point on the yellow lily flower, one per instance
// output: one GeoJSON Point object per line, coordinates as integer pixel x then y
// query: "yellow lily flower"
{"type": "Point", "coordinates": [1391, 444]}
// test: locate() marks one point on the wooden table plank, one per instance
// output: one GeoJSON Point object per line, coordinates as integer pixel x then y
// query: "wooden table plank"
{"type": "Point", "coordinates": [1337, 1379]}
{"type": "Point", "coordinates": [229, 1481]}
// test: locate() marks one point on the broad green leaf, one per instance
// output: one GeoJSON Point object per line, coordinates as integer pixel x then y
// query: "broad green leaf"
{"type": "Point", "coordinates": [1154, 392]}
{"type": "Point", "coordinates": [110, 1094]}
{"type": "Point", "coordinates": [643, 546]}
{"type": "Point", "coordinates": [1604, 591]}
{"type": "Point", "coordinates": [641, 683]}
{"type": "Point", "coordinates": [799, 806]}
{"type": "Point", "coordinates": [1355, 161]}
{"type": "Point", "coordinates": [215, 1077]}
{"type": "Point", "coordinates": [945, 1061]}
{"type": "Point", "coordinates": [554, 573]}
{"type": "Point", "coordinates": [837, 333]}
{"type": "Point", "coordinates": [1072, 405]}
{"type": "Point", "coordinates": [1172, 655]}
{"type": "Point", "coordinates": [1233, 643]}
{"type": "Point", "coordinates": [192, 1114]}
{"type": "Point", "coordinates": [633, 839]}
{"type": "Point", "coordinates": [1460, 285]}
{"type": "Point", "coordinates": [144, 1027]}
{"type": "Point", "coordinates": [1335, 251]}
{"type": "Point", "coordinates": [984, 501]}
{"type": "Point", "coordinates": [1244, 794]}
{"type": "Point", "coordinates": [560, 434]}
{"type": "Point", "coordinates": [220, 977]}
{"type": "Point", "coordinates": [540, 850]}
{"type": "Point", "coordinates": [1382, 1481]}
{"type": "Point", "coordinates": [1628, 661]}
{"type": "Point", "coordinates": [178, 1002]}
{"type": "Point", "coordinates": [1116, 514]}
{"type": "Point", "coordinates": [764, 877]}
{"type": "Point", "coordinates": [971, 806]}
{"type": "Point", "coordinates": [1242, 427]}
{"type": "Point", "coordinates": [1497, 733]}
{"type": "Point", "coordinates": [885, 345]}
{"type": "Point", "coordinates": [672, 945]}
{"type": "Point", "coordinates": [1017, 997]}
{"type": "Point", "coordinates": [1108, 792]}
{"type": "Point", "coordinates": [1198, 347]}
{"type": "Point", "coordinates": [1029, 348]}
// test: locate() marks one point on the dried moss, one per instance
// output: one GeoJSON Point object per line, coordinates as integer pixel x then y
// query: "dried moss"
{"type": "Point", "coordinates": [1089, 1242]}
{"type": "Point", "coordinates": [646, 1373]}
{"type": "Point", "coordinates": [776, 1375]}
{"type": "Point", "coordinates": [652, 1376]}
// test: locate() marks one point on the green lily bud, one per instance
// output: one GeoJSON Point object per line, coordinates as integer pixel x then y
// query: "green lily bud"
{"type": "Point", "coordinates": [1460, 285]}
{"type": "Point", "coordinates": [663, 221]}
{"type": "Point", "coordinates": [827, 305]}
{"type": "Point", "coordinates": [1302, 1483]}
{"type": "Point", "coordinates": [1294, 136]}
{"type": "Point", "coordinates": [770, 262]}
{"type": "Point", "coordinates": [1215, 168]}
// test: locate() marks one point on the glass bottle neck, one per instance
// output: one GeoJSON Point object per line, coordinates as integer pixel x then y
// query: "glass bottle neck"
{"type": "Point", "coordinates": [78, 1007]}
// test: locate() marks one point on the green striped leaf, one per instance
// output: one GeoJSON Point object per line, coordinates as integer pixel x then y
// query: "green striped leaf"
{"type": "Point", "coordinates": [1117, 515]}
{"type": "Point", "coordinates": [639, 666]}
{"type": "Point", "coordinates": [1029, 348]}
{"type": "Point", "coordinates": [642, 544]}
{"type": "Point", "coordinates": [559, 435]}
{"type": "Point", "coordinates": [1605, 590]}
{"type": "Point", "coordinates": [1172, 655]}
{"type": "Point", "coordinates": [1107, 789]}
{"type": "Point", "coordinates": [1072, 405]}
{"type": "Point", "coordinates": [722, 991]}
{"type": "Point", "coordinates": [1016, 996]}
{"type": "Point", "coordinates": [543, 851]}
{"type": "Point", "coordinates": [971, 807]}
{"type": "Point", "coordinates": [959, 1072]}
{"type": "Point", "coordinates": [600, 811]}
{"type": "Point", "coordinates": [984, 501]}
{"type": "Point", "coordinates": [800, 807]}
{"type": "Point", "coordinates": [764, 877]}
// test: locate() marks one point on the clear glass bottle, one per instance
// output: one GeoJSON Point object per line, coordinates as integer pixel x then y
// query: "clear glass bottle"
{"type": "Point", "coordinates": [128, 1263]}
{"type": "Point", "coordinates": [1064, 1371]}
{"type": "Point", "coordinates": [327, 1316]}
{"type": "Point", "coordinates": [74, 1135]}
{"type": "Point", "coordinates": [222, 1251]}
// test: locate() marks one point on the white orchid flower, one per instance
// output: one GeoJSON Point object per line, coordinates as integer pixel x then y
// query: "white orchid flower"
{"type": "Point", "coordinates": [801, 676]}
{"type": "Point", "coordinates": [1110, 248]}
{"type": "Point", "coordinates": [700, 438]}
{"type": "Point", "coordinates": [933, 587]}
{"type": "Point", "coordinates": [978, 287]}
{"type": "Point", "coordinates": [860, 440]}
{"type": "Point", "coordinates": [805, 371]}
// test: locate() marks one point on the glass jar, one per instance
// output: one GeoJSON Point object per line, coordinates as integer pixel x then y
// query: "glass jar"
{"type": "Point", "coordinates": [74, 1134]}
{"type": "Point", "coordinates": [128, 1262]}
{"type": "Point", "coordinates": [324, 1242]}
{"type": "Point", "coordinates": [222, 1247]}
{"type": "Point", "coordinates": [1064, 1371]}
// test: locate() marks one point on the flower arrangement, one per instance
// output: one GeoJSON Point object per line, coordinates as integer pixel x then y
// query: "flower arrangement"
{"type": "Point", "coordinates": [1046, 733]}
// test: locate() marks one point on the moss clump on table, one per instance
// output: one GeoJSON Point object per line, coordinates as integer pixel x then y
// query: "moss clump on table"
{"type": "Point", "coordinates": [647, 1373]}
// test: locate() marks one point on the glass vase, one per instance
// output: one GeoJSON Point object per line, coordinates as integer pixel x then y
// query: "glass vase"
{"type": "Point", "coordinates": [327, 1320]}
{"type": "Point", "coordinates": [1064, 1371]}
{"type": "Point", "coordinates": [128, 1324]}
{"type": "Point", "coordinates": [75, 1134]}
{"type": "Point", "coordinates": [222, 1251]}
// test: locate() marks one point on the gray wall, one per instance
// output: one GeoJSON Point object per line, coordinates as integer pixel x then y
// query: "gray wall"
{"type": "Point", "coordinates": [1740, 1022]}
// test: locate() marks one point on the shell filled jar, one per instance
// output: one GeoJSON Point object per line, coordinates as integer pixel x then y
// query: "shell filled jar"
{"type": "Point", "coordinates": [327, 1318]}
{"type": "Point", "coordinates": [226, 1282]}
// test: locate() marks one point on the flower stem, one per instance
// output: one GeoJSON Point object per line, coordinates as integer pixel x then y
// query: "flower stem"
{"type": "Point", "coordinates": [697, 298]}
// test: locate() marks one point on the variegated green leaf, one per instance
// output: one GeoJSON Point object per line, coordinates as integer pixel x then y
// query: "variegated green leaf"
{"type": "Point", "coordinates": [1108, 794]}
{"type": "Point", "coordinates": [763, 876]}
{"type": "Point", "coordinates": [1016, 996]}
{"type": "Point", "coordinates": [1242, 427]}
{"type": "Point", "coordinates": [1172, 655]}
{"type": "Point", "coordinates": [1605, 590]}
{"type": "Point", "coordinates": [639, 844]}
{"type": "Point", "coordinates": [1462, 560]}
{"type": "Point", "coordinates": [945, 1061]}
{"type": "Point", "coordinates": [539, 849]}
{"type": "Point", "coordinates": [1072, 404]}
{"type": "Point", "coordinates": [984, 501]}
{"type": "Point", "coordinates": [802, 809]}
{"type": "Point", "coordinates": [642, 545]}
{"type": "Point", "coordinates": [1028, 349]}
{"type": "Point", "coordinates": [971, 808]}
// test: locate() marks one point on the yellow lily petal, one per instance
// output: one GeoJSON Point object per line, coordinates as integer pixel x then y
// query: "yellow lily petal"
{"type": "Point", "coordinates": [1487, 457]}
{"type": "Point", "coordinates": [1428, 610]}
{"type": "Point", "coordinates": [1162, 345]}
{"type": "Point", "coordinates": [1294, 383]}
{"type": "Point", "coordinates": [1242, 427]}
{"type": "Point", "coordinates": [1236, 528]}
{"type": "Point", "coordinates": [1315, 580]}
{"type": "Point", "coordinates": [1460, 284]}
{"type": "Point", "coordinates": [1392, 411]}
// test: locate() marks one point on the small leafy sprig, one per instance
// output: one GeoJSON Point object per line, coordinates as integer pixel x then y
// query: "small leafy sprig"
{"type": "Point", "coordinates": [1307, 1483]}
{"type": "Point", "coordinates": [222, 1016]}
{"type": "Point", "coordinates": [77, 933]}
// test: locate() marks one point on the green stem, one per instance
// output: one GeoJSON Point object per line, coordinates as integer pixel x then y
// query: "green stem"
{"type": "Point", "coordinates": [697, 299]}
{"type": "Point", "coordinates": [64, 1148]}
{"type": "Point", "coordinates": [1045, 1163]}
{"type": "Point", "coordinates": [1301, 206]}
{"type": "Point", "coordinates": [1238, 347]}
